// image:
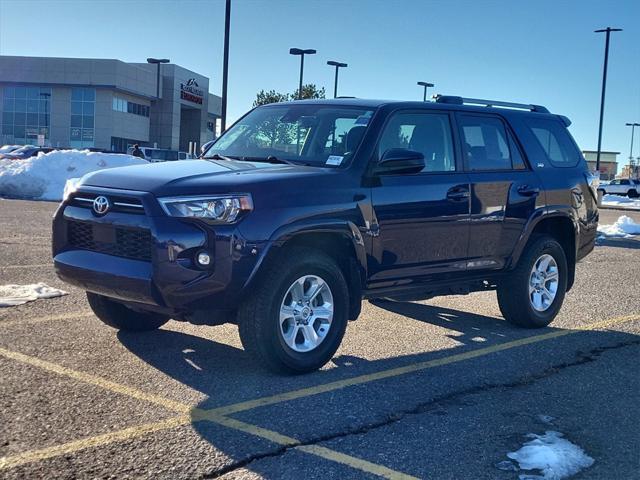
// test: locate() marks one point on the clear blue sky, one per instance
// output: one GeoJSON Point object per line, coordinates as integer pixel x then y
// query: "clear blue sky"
{"type": "Point", "coordinates": [540, 51]}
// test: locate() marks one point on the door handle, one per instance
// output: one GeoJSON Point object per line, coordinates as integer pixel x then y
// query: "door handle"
{"type": "Point", "coordinates": [457, 194]}
{"type": "Point", "coordinates": [527, 191]}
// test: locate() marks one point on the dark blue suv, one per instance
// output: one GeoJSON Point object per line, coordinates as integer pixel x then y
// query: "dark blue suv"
{"type": "Point", "coordinates": [302, 209]}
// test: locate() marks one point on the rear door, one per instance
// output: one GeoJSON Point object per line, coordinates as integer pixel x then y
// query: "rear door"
{"type": "Point", "coordinates": [504, 190]}
{"type": "Point", "coordinates": [422, 218]}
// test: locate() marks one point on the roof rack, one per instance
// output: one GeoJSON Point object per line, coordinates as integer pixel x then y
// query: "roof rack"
{"type": "Point", "coordinates": [454, 100]}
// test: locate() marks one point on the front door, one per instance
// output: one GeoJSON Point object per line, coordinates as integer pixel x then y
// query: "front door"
{"type": "Point", "coordinates": [504, 191]}
{"type": "Point", "coordinates": [422, 218]}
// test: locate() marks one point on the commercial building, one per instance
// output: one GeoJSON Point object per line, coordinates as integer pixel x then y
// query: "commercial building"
{"type": "Point", "coordinates": [608, 163]}
{"type": "Point", "coordinates": [102, 103]}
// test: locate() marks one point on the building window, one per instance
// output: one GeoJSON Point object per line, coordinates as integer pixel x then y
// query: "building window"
{"type": "Point", "coordinates": [125, 106]}
{"type": "Point", "coordinates": [83, 112]}
{"type": "Point", "coordinates": [120, 145]}
{"type": "Point", "coordinates": [25, 114]}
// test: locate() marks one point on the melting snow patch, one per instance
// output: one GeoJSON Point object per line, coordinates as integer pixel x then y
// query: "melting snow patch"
{"type": "Point", "coordinates": [619, 201]}
{"type": "Point", "coordinates": [44, 177]}
{"type": "Point", "coordinates": [624, 227]}
{"type": "Point", "coordinates": [554, 456]}
{"type": "Point", "coordinates": [12, 295]}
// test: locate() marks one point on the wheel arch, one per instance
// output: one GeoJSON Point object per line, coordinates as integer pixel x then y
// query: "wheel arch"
{"type": "Point", "coordinates": [341, 241]}
{"type": "Point", "coordinates": [559, 225]}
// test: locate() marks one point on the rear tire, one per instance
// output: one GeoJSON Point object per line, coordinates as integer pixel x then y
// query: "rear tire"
{"type": "Point", "coordinates": [632, 193]}
{"type": "Point", "coordinates": [518, 297]}
{"type": "Point", "coordinates": [120, 317]}
{"type": "Point", "coordinates": [281, 343]}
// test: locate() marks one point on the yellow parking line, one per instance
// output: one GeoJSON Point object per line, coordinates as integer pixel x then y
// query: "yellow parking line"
{"type": "Point", "coordinates": [16, 267]}
{"type": "Point", "coordinates": [354, 462]}
{"type": "Point", "coordinates": [48, 318]}
{"type": "Point", "coordinates": [96, 381]}
{"type": "Point", "coordinates": [215, 415]}
{"type": "Point", "coordinates": [317, 450]}
{"type": "Point", "coordinates": [414, 367]}
{"type": "Point", "coordinates": [97, 441]}
{"type": "Point", "coordinates": [134, 432]}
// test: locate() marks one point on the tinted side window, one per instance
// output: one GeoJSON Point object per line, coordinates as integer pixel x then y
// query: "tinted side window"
{"type": "Point", "coordinates": [555, 141]}
{"type": "Point", "coordinates": [485, 144]}
{"type": "Point", "coordinates": [427, 133]}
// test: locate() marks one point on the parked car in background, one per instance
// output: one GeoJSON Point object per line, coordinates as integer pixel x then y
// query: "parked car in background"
{"type": "Point", "coordinates": [26, 151]}
{"type": "Point", "coordinates": [8, 148]}
{"type": "Point", "coordinates": [161, 154]}
{"type": "Point", "coordinates": [621, 186]}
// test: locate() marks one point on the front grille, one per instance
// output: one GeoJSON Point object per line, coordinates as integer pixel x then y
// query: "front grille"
{"type": "Point", "coordinates": [118, 202]}
{"type": "Point", "coordinates": [118, 241]}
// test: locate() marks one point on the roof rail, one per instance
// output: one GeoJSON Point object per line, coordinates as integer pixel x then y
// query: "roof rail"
{"type": "Point", "coordinates": [454, 100]}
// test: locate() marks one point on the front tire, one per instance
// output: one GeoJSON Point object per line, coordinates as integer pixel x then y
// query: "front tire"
{"type": "Point", "coordinates": [295, 319]}
{"type": "Point", "coordinates": [532, 295]}
{"type": "Point", "coordinates": [120, 317]}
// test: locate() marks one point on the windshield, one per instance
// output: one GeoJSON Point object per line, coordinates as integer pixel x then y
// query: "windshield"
{"type": "Point", "coordinates": [25, 149]}
{"type": "Point", "coordinates": [307, 134]}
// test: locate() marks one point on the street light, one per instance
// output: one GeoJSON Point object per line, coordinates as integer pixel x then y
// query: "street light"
{"type": "Point", "coordinates": [158, 61]}
{"type": "Point", "coordinates": [425, 85]}
{"type": "Point", "coordinates": [302, 53]}
{"type": "Point", "coordinates": [225, 66]}
{"type": "Point", "coordinates": [335, 83]}
{"type": "Point", "coordinates": [633, 127]}
{"type": "Point", "coordinates": [608, 31]}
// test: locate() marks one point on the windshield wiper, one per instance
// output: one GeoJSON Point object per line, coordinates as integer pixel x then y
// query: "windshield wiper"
{"type": "Point", "coordinates": [272, 159]}
{"type": "Point", "coordinates": [217, 156]}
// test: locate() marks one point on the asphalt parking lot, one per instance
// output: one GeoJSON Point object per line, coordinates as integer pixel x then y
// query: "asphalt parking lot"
{"type": "Point", "coordinates": [436, 389]}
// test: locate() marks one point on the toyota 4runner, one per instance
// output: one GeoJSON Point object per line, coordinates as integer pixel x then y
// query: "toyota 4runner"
{"type": "Point", "coordinates": [300, 210]}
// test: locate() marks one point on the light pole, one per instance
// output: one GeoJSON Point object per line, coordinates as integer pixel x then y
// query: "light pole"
{"type": "Point", "coordinates": [302, 53]}
{"type": "Point", "coordinates": [225, 66]}
{"type": "Point", "coordinates": [425, 85]}
{"type": "Point", "coordinates": [158, 61]}
{"type": "Point", "coordinates": [335, 83]}
{"type": "Point", "coordinates": [608, 31]}
{"type": "Point", "coordinates": [633, 127]}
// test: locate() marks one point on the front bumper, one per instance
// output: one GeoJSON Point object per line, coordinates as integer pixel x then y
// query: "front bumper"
{"type": "Point", "coordinates": [143, 256]}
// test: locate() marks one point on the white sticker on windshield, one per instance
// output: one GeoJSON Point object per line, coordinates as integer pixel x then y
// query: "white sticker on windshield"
{"type": "Point", "coordinates": [334, 160]}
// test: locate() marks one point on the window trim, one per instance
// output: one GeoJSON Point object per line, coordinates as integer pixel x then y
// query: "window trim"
{"type": "Point", "coordinates": [454, 140]}
{"type": "Point", "coordinates": [508, 132]}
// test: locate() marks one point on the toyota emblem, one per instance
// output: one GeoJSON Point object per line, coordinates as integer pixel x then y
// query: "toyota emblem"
{"type": "Point", "coordinates": [101, 205]}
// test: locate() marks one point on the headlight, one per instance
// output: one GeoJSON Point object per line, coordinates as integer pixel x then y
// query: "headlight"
{"type": "Point", "coordinates": [216, 209]}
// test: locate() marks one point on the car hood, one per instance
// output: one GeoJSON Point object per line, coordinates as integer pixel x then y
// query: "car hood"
{"type": "Point", "coordinates": [194, 177]}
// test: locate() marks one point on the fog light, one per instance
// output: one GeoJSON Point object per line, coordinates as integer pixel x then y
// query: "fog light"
{"type": "Point", "coordinates": [203, 259]}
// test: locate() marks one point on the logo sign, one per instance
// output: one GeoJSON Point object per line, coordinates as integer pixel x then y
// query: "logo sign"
{"type": "Point", "coordinates": [191, 91]}
{"type": "Point", "coordinates": [101, 205]}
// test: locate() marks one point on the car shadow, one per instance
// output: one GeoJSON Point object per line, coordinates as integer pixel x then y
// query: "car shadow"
{"type": "Point", "coordinates": [225, 374]}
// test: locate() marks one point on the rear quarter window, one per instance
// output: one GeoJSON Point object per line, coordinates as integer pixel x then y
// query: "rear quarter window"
{"type": "Point", "coordinates": [555, 141]}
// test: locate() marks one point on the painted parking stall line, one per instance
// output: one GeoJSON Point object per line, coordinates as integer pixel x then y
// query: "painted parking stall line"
{"type": "Point", "coordinates": [411, 368]}
{"type": "Point", "coordinates": [141, 430]}
{"type": "Point", "coordinates": [219, 415]}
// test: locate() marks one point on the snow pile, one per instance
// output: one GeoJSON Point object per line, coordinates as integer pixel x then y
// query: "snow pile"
{"type": "Point", "coordinates": [624, 227]}
{"type": "Point", "coordinates": [12, 295]}
{"type": "Point", "coordinates": [44, 177]}
{"type": "Point", "coordinates": [620, 202]}
{"type": "Point", "coordinates": [554, 456]}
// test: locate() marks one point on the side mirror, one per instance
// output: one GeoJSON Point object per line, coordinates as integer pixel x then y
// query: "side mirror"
{"type": "Point", "coordinates": [400, 160]}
